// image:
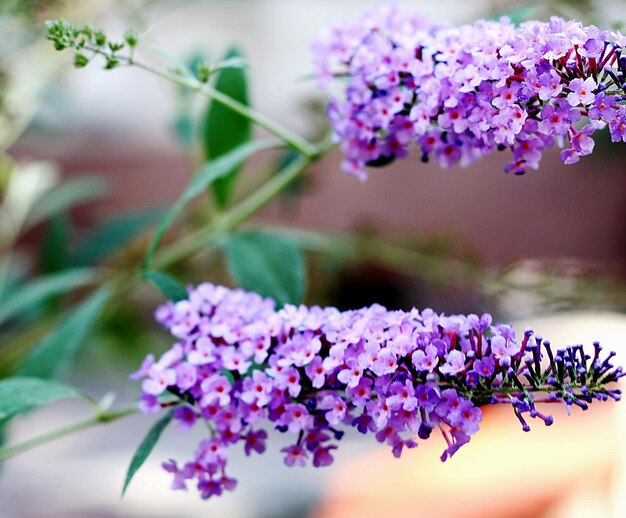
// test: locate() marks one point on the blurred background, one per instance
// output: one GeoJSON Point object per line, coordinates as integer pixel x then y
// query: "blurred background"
{"type": "Point", "coordinates": [89, 160]}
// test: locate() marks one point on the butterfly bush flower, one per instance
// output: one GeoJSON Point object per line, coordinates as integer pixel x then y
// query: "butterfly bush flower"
{"type": "Point", "coordinates": [397, 375]}
{"type": "Point", "coordinates": [462, 92]}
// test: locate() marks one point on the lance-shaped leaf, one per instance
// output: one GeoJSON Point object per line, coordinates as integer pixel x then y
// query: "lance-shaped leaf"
{"type": "Point", "coordinates": [20, 394]}
{"type": "Point", "coordinates": [270, 265]}
{"type": "Point", "coordinates": [202, 179]}
{"type": "Point", "coordinates": [54, 247]}
{"type": "Point", "coordinates": [41, 289]}
{"type": "Point", "coordinates": [56, 351]}
{"type": "Point", "coordinates": [225, 129]}
{"type": "Point", "coordinates": [170, 287]}
{"type": "Point", "coordinates": [68, 194]}
{"type": "Point", "coordinates": [106, 240]}
{"type": "Point", "coordinates": [145, 448]}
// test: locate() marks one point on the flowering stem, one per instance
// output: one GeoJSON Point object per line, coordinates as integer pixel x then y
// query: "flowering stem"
{"type": "Point", "coordinates": [99, 418]}
{"type": "Point", "coordinates": [291, 138]}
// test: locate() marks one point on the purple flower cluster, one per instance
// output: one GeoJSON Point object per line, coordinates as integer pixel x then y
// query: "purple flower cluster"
{"type": "Point", "coordinates": [462, 92]}
{"type": "Point", "coordinates": [239, 364]}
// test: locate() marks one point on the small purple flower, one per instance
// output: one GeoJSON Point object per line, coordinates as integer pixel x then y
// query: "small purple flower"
{"type": "Point", "coordinates": [149, 404]}
{"type": "Point", "coordinates": [455, 362]}
{"type": "Point", "coordinates": [618, 126]}
{"type": "Point", "coordinates": [296, 417]}
{"type": "Point", "coordinates": [158, 380]}
{"type": "Point", "coordinates": [315, 372]}
{"type": "Point", "coordinates": [351, 375]}
{"type": "Point", "coordinates": [449, 402]}
{"type": "Point", "coordinates": [211, 451]}
{"type": "Point", "coordinates": [364, 423]}
{"type": "Point", "coordinates": [257, 389]}
{"type": "Point", "coordinates": [336, 407]}
{"type": "Point", "coordinates": [227, 483]}
{"type": "Point", "coordinates": [362, 393]}
{"type": "Point", "coordinates": [385, 362]}
{"type": "Point", "coordinates": [581, 141]}
{"type": "Point", "coordinates": [209, 488]}
{"type": "Point", "coordinates": [426, 360]}
{"type": "Point", "coordinates": [185, 416]}
{"type": "Point", "coordinates": [427, 395]}
{"type": "Point", "coordinates": [295, 456]}
{"type": "Point", "coordinates": [215, 388]}
{"type": "Point", "coordinates": [400, 444]}
{"type": "Point", "coordinates": [502, 349]}
{"type": "Point", "coordinates": [466, 417]}
{"type": "Point", "coordinates": [178, 483]}
{"type": "Point", "coordinates": [255, 441]}
{"type": "Point", "coordinates": [402, 396]}
{"type": "Point", "coordinates": [235, 360]}
{"type": "Point", "coordinates": [604, 107]}
{"type": "Point", "coordinates": [186, 376]}
{"type": "Point", "coordinates": [322, 456]}
{"type": "Point", "coordinates": [581, 92]}
{"type": "Point", "coordinates": [144, 369]}
{"type": "Point", "coordinates": [484, 367]}
{"type": "Point", "coordinates": [554, 120]}
{"type": "Point", "coordinates": [203, 352]}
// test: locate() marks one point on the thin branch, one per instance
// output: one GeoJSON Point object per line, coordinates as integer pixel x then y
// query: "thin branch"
{"type": "Point", "coordinates": [100, 418]}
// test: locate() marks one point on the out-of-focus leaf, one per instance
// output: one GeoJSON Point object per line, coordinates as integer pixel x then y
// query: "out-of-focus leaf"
{"type": "Point", "coordinates": [270, 265]}
{"type": "Point", "coordinates": [20, 394]}
{"type": "Point", "coordinates": [184, 129]}
{"type": "Point", "coordinates": [56, 351]}
{"type": "Point", "coordinates": [54, 250]}
{"type": "Point", "coordinates": [185, 123]}
{"type": "Point", "coordinates": [112, 235]}
{"type": "Point", "coordinates": [224, 129]}
{"type": "Point", "coordinates": [68, 194]}
{"type": "Point", "coordinates": [145, 448]}
{"type": "Point", "coordinates": [202, 179]}
{"type": "Point", "coordinates": [170, 287]}
{"type": "Point", "coordinates": [6, 168]}
{"type": "Point", "coordinates": [235, 62]}
{"type": "Point", "coordinates": [41, 289]}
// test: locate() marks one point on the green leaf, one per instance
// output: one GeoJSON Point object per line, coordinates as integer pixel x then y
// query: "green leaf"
{"type": "Point", "coordinates": [235, 62]}
{"type": "Point", "coordinates": [43, 288]}
{"type": "Point", "coordinates": [145, 448]}
{"type": "Point", "coordinates": [20, 394]}
{"type": "Point", "coordinates": [224, 129]}
{"type": "Point", "coordinates": [67, 195]}
{"type": "Point", "coordinates": [108, 239]}
{"type": "Point", "coordinates": [203, 179]}
{"type": "Point", "coordinates": [56, 351]}
{"type": "Point", "coordinates": [270, 265]}
{"type": "Point", "coordinates": [184, 129]}
{"type": "Point", "coordinates": [170, 287]}
{"type": "Point", "coordinates": [55, 243]}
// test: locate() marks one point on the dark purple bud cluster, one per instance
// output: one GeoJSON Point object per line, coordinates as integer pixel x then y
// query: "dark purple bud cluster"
{"type": "Point", "coordinates": [239, 364]}
{"type": "Point", "coordinates": [462, 92]}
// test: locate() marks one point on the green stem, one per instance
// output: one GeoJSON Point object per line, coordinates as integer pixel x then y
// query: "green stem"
{"type": "Point", "coordinates": [293, 139]}
{"type": "Point", "coordinates": [100, 418]}
{"type": "Point", "coordinates": [241, 211]}
{"type": "Point", "coordinates": [233, 217]}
